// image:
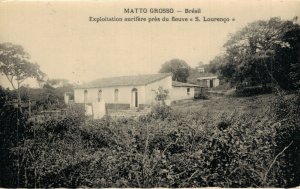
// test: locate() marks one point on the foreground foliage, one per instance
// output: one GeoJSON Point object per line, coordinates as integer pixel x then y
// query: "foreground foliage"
{"type": "Point", "coordinates": [179, 149]}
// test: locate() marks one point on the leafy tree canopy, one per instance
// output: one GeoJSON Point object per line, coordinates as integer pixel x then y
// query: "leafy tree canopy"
{"type": "Point", "coordinates": [179, 68]}
{"type": "Point", "coordinates": [263, 52]}
{"type": "Point", "coordinates": [15, 64]}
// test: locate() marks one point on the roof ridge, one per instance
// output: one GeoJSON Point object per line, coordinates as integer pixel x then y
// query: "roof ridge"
{"type": "Point", "coordinates": [182, 84]}
{"type": "Point", "coordinates": [140, 79]}
{"type": "Point", "coordinates": [132, 75]}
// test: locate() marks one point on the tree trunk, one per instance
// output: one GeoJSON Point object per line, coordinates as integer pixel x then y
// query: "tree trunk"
{"type": "Point", "coordinates": [19, 98]}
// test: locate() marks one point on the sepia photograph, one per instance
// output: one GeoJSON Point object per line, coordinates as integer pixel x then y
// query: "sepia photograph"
{"type": "Point", "coordinates": [150, 94]}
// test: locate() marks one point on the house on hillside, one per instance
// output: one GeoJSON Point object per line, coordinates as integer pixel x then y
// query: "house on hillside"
{"type": "Point", "coordinates": [208, 80]}
{"type": "Point", "coordinates": [200, 69]}
{"type": "Point", "coordinates": [132, 91]}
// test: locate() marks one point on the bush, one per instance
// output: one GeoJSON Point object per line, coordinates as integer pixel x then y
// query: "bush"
{"type": "Point", "coordinates": [287, 111]}
{"type": "Point", "coordinates": [160, 111]}
{"type": "Point", "coordinates": [165, 148]}
{"type": "Point", "coordinates": [254, 90]}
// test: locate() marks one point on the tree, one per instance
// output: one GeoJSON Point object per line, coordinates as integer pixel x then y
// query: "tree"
{"type": "Point", "coordinates": [55, 83]}
{"type": "Point", "coordinates": [200, 64]}
{"type": "Point", "coordinates": [179, 68]}
{"type": "Point", "coordinates": [263, 52]}
{"type": "Point", "coordinates": [15, 64]}
{"type": "Point", "coordinates": [213, 66]}
{"type": "Point", "coordinates": [161, 95]}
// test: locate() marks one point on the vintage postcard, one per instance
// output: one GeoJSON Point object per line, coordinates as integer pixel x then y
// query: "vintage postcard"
{"type": "Point", "coordinates": [150, 93]}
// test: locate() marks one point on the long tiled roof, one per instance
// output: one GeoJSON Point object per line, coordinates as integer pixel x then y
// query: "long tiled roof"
{"type": "Point", "coordinates": [125, 81]}
{"type": "Point", "coordinates": [180, 84]}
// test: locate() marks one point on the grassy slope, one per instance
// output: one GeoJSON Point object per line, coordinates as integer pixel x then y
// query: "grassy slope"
{"type": "Point", "coordinates": [225, 104]}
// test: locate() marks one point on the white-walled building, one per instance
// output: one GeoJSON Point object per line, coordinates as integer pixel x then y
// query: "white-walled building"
{"type": "Point", "coordinates": [132, 91]}
{"type": "Point", "coordinates": [208, 81]}
{"type": "Point", "coordinates": [182, 91]}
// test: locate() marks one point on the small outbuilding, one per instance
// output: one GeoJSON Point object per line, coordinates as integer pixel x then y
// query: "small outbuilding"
{"type": "Point", "coordinates": [208, 81]}
{"type": "Point", "coordinates": [182, 90]}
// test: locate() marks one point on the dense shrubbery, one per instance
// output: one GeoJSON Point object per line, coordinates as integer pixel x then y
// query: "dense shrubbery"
{"type": "Point", "coordinates": [287, 111]}
{"type": "Point", "coordinates": [165, 148]}
{"type": "Point", "coordinates": [254, 90]}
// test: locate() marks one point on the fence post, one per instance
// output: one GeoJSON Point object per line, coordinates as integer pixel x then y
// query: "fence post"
{"type": "Point", "coordinates": [29, 108]}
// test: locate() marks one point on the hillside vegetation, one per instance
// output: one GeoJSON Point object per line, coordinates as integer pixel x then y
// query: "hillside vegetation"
{"type": "Point", "coordinates": [250, 143]}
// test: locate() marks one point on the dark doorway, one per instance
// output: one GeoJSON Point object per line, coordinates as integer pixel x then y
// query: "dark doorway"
{"type": "Point", "coordinates": [134, 97]}
{"type": "Point", "coordinates": [211, 83]}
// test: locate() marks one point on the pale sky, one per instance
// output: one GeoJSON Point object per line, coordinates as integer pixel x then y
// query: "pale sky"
{"type": "Point", "coordinates": [62, 40]}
